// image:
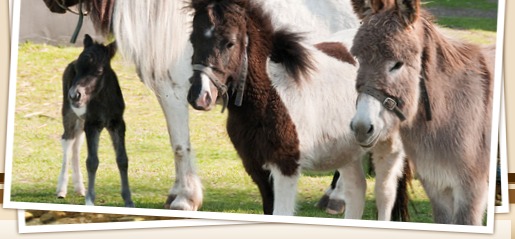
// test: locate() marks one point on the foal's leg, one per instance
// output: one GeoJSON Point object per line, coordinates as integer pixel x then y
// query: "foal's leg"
{"type": "Point", "coordinates": [117, 133]}
{"type": "Point", "coordinates": [285, 190]}
{"type": "Point", "coordinates": [68, 141]}
{"type": "Point", "coordinates": [388, 159]}
{"type": "Point", "coordinates": [186, 193]}
{"type": "Point", "coordinates": [78, 183]}
{"type": "Point", "coordinates": [351, 189]}
{"type": "Point", "coordinates": [92, 137]}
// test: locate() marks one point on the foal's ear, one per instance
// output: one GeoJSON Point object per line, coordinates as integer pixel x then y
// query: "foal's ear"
{"type": "Point", "coordinates": [111, 48]}
{"type": "Point", "coordinates": [88, 41]}
{"type": "Point", "coordinates": [409, 10]}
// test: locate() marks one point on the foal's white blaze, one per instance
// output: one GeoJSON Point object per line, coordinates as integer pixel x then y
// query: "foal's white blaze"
{"type": "Point", "coordinates": [209, 32]}
{"type": "Point", "coordinates": [205, 92]}
{"type": "Point", "coordinates": [79, 111]}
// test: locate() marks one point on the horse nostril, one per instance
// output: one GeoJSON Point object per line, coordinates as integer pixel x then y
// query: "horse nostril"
{"type": "Point", "coordinates": [75, 95]}
{"type": "Point", "coordinates": [371, 129]}
{"type": "Point", "coordinates": [207, 99]}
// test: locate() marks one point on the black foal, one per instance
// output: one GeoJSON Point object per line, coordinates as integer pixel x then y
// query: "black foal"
{"type": "Point", "coordinates": [92, 101]}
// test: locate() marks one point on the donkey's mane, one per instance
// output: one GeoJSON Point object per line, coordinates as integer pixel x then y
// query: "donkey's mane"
{"type": "Point", "coordinates": [283, 46]}
{"type": "Point", "coordinates": [455, 54]}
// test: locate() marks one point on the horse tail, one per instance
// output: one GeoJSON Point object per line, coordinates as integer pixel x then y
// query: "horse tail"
{"type": "Point", "coordinates": [153, 35]}
{"type": "Point", "coordinates": [400, 208]}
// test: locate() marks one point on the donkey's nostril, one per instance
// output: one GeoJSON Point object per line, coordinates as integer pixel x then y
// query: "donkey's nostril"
{"type": "Point", "coordinates": [371, 129]}
{"type": "Point", "coordinates": [75, 95]}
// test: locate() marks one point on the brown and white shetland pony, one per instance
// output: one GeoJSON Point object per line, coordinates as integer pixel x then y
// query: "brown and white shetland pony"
{"type": "Point", "coordinates": [290, 105]}
{"type": "Point", "coordinates": [434, 91]}
{"type": "Point", "coordinates": [153, 35]}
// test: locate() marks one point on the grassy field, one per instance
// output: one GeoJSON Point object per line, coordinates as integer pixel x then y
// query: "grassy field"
{"type": "Point", "coordinates": [227, 188]}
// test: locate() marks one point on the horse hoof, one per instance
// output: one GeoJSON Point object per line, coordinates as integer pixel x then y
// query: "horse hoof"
{"type": "Point", "coordinates": [335, 207]}
{"type": "Point", "coordinates": [182, 203]}
{"type": "Point", "coordinates": [323, 202]}
{"type": "Point", "coordinates": [129, 204]}
{"type": "Point", "coordinates": [61, 195]}
{"type": "Point", "coordinates": [169, 201]}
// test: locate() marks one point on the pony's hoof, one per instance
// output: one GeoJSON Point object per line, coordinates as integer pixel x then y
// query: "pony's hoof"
{"type": "Point", "coordinates": [81, 192]}
{"type": "Point", "coordinates": [335, 207]}
{"type": "Point", "coordinates": [323, 202]}
{"type": "Point", "coordinates": [61, 195]}
{"type": "Point", "coordinates": [181, 203]}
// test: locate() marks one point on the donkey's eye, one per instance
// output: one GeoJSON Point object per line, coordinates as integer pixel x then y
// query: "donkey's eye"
{"type": "Point", "coordinates": [229, 45]}
{"type": "Point", "coordinates": [397, 66]}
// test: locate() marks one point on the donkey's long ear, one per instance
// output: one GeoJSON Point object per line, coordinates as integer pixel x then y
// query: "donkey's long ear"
{"type": "Point", "coordinates": [365, 8]}
{"type": "Point", "coordinates": [409, 10]}
{"type": "Point", "coordinates": [111, 48]}
{"type": "Point", "coordinates": [88, 41]}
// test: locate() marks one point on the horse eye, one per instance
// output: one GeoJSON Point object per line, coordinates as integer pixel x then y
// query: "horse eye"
{"type": "Point", "coordinates": [397, 66]}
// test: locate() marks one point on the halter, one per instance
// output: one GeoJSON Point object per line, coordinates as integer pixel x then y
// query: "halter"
{"type": "Point", "coordinates": [392, 103]}
{"type": "Point", "coordinates": [239, 88]}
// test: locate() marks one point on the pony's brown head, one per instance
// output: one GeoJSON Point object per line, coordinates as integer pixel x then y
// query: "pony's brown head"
{"type": "Point", "coordinates": [219, 40]}
{"type": "Point", "coordinates": [389, 47]}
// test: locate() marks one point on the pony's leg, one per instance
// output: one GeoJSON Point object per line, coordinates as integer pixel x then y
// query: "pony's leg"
{"type": "Point", "coordinates": [68, 140]}
{"type": "Point", "coordinates": [186, 193]}
{"type": "Point", "coordinates": [264, 181]}
{"type": "Point", "coordinates": [285, 191]}
{"type": "Point", "coordinates": [442, 201]}
{"type": "Point", "coordinates": [117, 134]}
{"type": "Point", "coordinates": [350, 189]}
{"type": "Point", "coordinates": [62, 181]}
{"type": "Point", "coordinates": [324, 201]}
{"type": "Point", "coordinates": [470, 202]}
{"type": "Point", "coordinates": [388, 159]}
{"type": "Point", "coordinates": [78, 182]}
{"type": "Point", "coordinates": [92, 137]}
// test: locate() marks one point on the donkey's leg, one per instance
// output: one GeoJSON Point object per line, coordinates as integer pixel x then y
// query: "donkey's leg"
{"type": "Point", "coordinates": [350, 189]}
{"type": "Point", "coordinates": [92, 137]}
{"type": "Point", "coordinates": [470, 201]}
{"type": "Point", "coordinates": [186, 194]}
{"type": "Point", "coordinates": [117, 133]}
{"type": "Point", "coordinates": [388, 159]}
{"type": "Point", "coordinates": [441, 201]}
{"type": "Point", "coordinates": [285, 191]}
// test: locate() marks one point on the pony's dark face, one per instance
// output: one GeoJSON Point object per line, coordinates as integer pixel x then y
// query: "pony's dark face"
{"type": "Point", "coordinates": [89, 72]}
{"type": "Point", "coordinates": [219, 47]}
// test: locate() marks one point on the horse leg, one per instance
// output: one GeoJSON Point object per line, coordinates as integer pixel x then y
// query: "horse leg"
{"type": "Point", "coordinates": [264, 182]}
{"type": "Point", "coordinates": [186, 193]}
{"type": "Point", "coordinates": [442, 201]}
{"type": "Point", "coordinates": [117, 134]}
{"type": "Point", "coordinates": [285, 190]}
{"type": "Point", "coordinates": [92, 137]}
{"type": "Point", "coordinates": [324, 201]}
{"type": "Point", "coordinates": [78, 183]}
{"type": "Point", "coordinates": [68, 140]}
{"type": "Point", "coordinates": [470, 202]}
{"type": "Point", "coordinates": [388, 159]}
{"type": "Point", "coordinates": [350, 191]}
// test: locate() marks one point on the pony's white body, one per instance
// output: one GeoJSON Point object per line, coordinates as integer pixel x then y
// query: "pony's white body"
{"type": "Point", "coordinates": [321, 108]}
{"type": "Point", "coordinates": [154, 36]}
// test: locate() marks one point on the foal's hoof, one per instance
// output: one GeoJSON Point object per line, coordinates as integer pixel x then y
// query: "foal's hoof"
{"type": "Point", "coordinates": [169, 201]}
{"type": "Point", "coordinates": [129, 204]}
{"type": "Point", "coordinates": [61, 195]}
{"type": "Point", "coordinates": [335, 207]}
{"type": "Point", "coordinates": [323, 202]}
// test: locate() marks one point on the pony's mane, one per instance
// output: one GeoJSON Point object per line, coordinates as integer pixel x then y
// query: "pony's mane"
{"type": "Point", "coordinates": [283, 46]}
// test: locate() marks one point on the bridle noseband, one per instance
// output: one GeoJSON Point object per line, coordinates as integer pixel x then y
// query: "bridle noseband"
{"type": "Point", "coordinates": [392, 103]}
{"type": "Point", "coordinates": [239, 88]}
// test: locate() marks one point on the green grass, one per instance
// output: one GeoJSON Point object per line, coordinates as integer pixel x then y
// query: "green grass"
{"type": "Point", "coordinates": [469, 23]}
{"type": "Point", "coordinates": [463, 4]}
{"type": "Point", "coordinates": [227, 187]}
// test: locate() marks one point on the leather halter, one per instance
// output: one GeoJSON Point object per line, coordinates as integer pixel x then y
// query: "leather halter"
{"type": "Point", "coordinates": [392, 103]}
{"type": "Point", "coordinates": [239, 88]}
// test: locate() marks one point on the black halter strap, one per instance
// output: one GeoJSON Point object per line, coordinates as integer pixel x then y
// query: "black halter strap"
{"type": "Point", "coordinates": [388, 102]}
{"type": "Point", "coordinates": [239, 88]}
